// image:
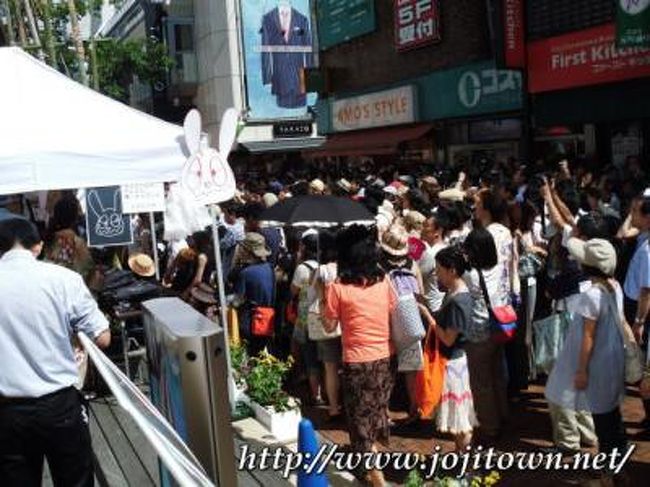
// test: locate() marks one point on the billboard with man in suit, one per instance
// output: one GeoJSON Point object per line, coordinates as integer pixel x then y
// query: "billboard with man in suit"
{"type": "Point", "coordinates": [278, 45]}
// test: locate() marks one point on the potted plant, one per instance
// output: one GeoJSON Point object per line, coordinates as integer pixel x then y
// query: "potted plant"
{"type": "Point", "coordinates": [273, 407]}
{"type": "Point", "coordinates": [415, 479]}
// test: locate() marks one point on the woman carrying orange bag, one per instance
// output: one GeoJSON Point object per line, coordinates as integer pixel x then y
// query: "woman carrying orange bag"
{"type": "Point", "coordinates": [455, 412]}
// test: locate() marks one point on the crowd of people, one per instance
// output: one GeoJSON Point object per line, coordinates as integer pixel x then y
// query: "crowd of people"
{"type": "Point", "coordinates": [564, 245]}
{"type": "Point", "coordinates": [562, 249]}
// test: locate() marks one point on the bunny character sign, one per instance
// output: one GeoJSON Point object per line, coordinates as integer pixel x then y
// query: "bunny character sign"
{"type": "Point", "coordinates": [207, 177]}
{"type": "Point", "coordinates": [106, 225]}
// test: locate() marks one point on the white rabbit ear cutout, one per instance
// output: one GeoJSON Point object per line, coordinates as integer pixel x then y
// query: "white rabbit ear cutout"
{"type": "Point", "coordinates": [228, 132]}
{"type": "Point", "coordinates": [192, 127]}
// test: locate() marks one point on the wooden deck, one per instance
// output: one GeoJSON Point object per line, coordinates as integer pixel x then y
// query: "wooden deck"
{"type": "Point", "coordinates": [124, 458]}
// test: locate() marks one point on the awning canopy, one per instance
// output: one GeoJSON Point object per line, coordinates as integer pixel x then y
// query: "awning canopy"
{"type": "Point", "coordinates": [58, 134]}
{"type": "Point", "coordinates": [370, 142]}
{"type": "Point", "coordinates": [283, 145]}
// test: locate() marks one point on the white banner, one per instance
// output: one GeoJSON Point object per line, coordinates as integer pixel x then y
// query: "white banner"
{"type": "Point", "coordinates": [143, 198]}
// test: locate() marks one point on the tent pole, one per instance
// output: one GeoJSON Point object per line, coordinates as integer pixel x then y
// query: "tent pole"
{"type": "Point", "coordinates": [154, 244]}
{"type": "Point", "coordinates": [222, 304]}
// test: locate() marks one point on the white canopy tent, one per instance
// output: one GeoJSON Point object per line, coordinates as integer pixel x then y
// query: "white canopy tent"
{"type": "Point", "coordinates": [57, 134]}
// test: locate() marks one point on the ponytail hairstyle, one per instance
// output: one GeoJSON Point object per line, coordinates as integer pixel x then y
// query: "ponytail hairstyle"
{"type": "Point", "coordinates": [453, 258]}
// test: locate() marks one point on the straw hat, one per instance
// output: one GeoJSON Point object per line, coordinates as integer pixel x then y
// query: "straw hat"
{"type": "Point", "coordinates": [452, 194]}
{"type": "Point", "coordinates": [204, 293]}
{"type": "Point", "coordinates": [142, 265]}
{"type": "Point", "coordinates": [395, 241]}
{"type": "Point", "coordinates": [269, 199]}
{"type": "Point", "coordinates": [317, 186]}
{"type": "Point", "coordinates": [597, 253]}
{"type": "Point", "coordinates": [344, 184]}
{"type": "Point", "coordinates": [414, 219]}
{"type": "Point", "coordinates": [255, 244]}
{"type": "Point", "coordinates": [430, 180]}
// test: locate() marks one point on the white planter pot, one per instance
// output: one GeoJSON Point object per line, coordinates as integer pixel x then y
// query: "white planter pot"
{"type": "Point", "coordinates": [284, 425]}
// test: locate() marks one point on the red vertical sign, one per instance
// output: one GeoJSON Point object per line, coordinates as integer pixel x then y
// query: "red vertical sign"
{"type": "Point", "coordinates": [513, 26]}
{"type": "Point", "coordinates": [417, 22]}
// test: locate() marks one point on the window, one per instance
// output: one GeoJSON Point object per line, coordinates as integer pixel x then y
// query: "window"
{"type": "Point", "coordinates": [180, 34]}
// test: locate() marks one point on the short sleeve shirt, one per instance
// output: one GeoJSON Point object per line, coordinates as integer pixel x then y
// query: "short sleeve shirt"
{"type": "Point", "coordinates": [303, 274]}
{"type": "Point", "coordinates": [455, 314]}
{"type": "Point", "coordinates": [364, 315]}
{"type": "Point", "coordinates": [590, 303]}
{"type": "Point", "coordinates": [256, 284]}
{"type": "Point", "coordinates": [427, 263]}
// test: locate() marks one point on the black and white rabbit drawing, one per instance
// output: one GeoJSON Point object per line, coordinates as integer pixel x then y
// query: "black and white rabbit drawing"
{"type": "Point", "coordinates": [110, 221]}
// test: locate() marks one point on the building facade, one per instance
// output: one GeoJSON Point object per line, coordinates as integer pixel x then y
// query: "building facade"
{"type": "Point", "coordinates": [589, 95]}
{"type": "Point", "coordinates": [420, 85]}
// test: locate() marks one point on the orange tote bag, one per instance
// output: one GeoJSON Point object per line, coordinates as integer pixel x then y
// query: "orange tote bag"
{"type": "Point", "coordinates": [431, 379]}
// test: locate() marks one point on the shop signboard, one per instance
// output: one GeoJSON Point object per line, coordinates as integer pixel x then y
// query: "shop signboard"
{"type": "Point", "coordinates": [292, 129]}
{"type": "Point", "coordinates": [470, 90]}
{"type": "Point", "coordinates": [633, 23]}
{"type": "Point", "coordinates": [513, 33]}
{"type": "Point", "coordinates": [342, 20]}
{"type": "Point", "coordinates": [588, 57]}
{"type": "Point", "coordinates": [106, 224]}
{"type": "Point", "coordinates": [483, 88]}
{"type": "Point", "coordinates": [278, 46]}
{"type": "Point", "coordinates": [417, 23]}
{"type": "Point", "coordinates": [380, 109]}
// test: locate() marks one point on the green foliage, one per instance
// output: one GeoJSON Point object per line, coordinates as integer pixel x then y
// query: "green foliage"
{"type": "Point", "coordinates": [118, 62]}
{"type": "Point", "coordinates": [414, 479]}
{"type": "Point", "coordinates": [239, 361]}
{"type": "Point", "coordinates": [242, 411]}
{"type": "Point", "coordinates": [265, 380]}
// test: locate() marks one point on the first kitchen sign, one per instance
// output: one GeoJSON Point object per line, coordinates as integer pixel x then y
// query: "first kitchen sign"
{"type": "Point", "coordinates": [582, 58]}
{"type": "Point", "coordinates": [391, 107]}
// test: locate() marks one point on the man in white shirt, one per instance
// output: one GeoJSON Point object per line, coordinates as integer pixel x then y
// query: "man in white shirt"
{"type": "Point", "coordinates": [41, 414]}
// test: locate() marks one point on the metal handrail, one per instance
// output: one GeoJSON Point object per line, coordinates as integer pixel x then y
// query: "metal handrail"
{"type": "Point", "coordinates": [172, 450]}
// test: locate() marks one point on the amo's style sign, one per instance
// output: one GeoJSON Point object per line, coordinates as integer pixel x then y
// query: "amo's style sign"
{"type": "Point", "coordinates": [380, 109]}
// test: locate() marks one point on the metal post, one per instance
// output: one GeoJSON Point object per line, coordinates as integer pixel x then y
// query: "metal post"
{"type": "Point", "coordinates": [222, 304]}
{"type": "Point", "coordinates": [154, 243]}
